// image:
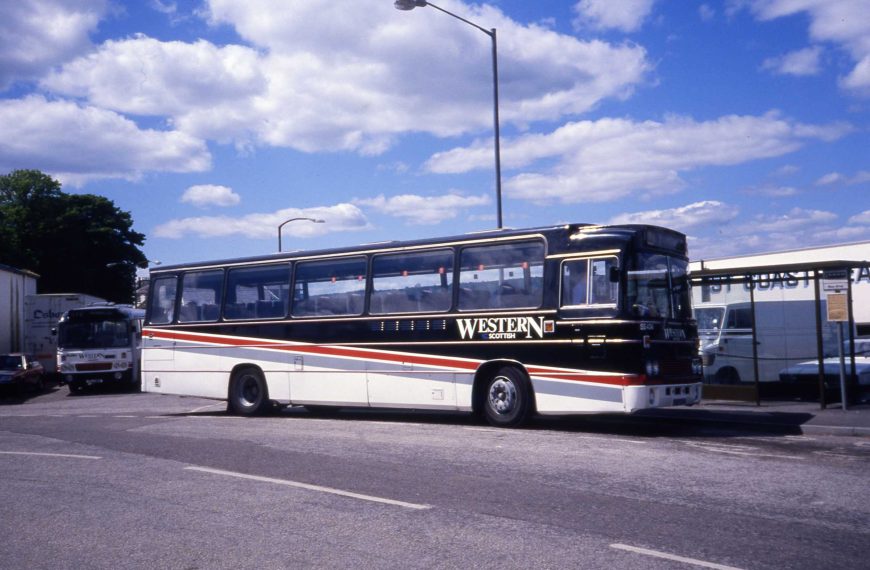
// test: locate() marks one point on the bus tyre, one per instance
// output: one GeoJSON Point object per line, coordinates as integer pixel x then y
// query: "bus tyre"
{"type": "Point", "coordinates": [507, 400]}
{"type": "Point", "coordinates": [248, 393]}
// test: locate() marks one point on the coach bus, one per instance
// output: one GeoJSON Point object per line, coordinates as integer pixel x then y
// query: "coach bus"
{"type": "Point", "coordinates": [99, 344]}
{"type": "Point", "coordinates": [561, 320]}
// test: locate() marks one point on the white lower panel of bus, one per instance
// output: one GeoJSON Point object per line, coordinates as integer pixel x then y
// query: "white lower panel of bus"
{"type": "Point", "coordinates": [345, 376]}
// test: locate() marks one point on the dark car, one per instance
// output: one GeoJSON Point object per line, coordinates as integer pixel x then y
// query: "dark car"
{"type": "Point", "coordinates": [20, 370]}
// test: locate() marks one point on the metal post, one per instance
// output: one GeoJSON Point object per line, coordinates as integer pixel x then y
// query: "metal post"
{"type": "Point", "coordinates": [406, 5]}
{"type": "Point", "coordinates": [754, 339]}
{"type": "Point", "coordinates": [496, 127]}
{"type": "Point", "coordinates": [819, 346]}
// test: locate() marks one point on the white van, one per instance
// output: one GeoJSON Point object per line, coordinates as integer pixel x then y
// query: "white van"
{"type": "Point", "coordinates": [785, 333]}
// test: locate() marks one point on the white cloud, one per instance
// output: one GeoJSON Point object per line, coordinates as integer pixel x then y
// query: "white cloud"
{"type": "Point", "coordinates": [205, 195]}
{"type": "Point", "coordinates": [793, 224]}
{"type": "Point", "coordinates": [145, 76]}
{"type": "Point", "coordinates": [842, 22]}
{"type": "Point", "coordinates": [338, 218]}
{"type": "Point", "coordinates": [799, 63]}
{"type": "Point", "coordinates": [862, 218]}
{"type": "Point", "coordinates": [79, 143]}
{"type": "Point", "coordinates": [38, 34]}
{"type": "Point", "coordinates": [326, 76]}
{"type": "Point", "coordinates": [623, 15]}
{"type": "Point", "coordinates": [772, 191]}
{"type": "Point", "coordinates": [424, 209]}
{"type": "Point", "coordinates": [706, 214]}
{"type": "Point", "coordinates": [860, 177]}
{"type": "Point", "coordinates": [830, 178]}
{"type": "Point", "coordinates": [609, 159]}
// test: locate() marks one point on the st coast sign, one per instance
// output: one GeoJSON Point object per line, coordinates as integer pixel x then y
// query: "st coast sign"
{"type": "Point", "coordinates": [504, 328]}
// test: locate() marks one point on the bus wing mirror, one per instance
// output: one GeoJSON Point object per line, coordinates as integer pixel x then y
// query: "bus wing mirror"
{"type": "Point", "coordinates": [614, 274]}
{"type": "Point", "coordinates": [53, 331]}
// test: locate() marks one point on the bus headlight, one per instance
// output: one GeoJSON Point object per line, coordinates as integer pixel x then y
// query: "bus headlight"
{"type": "Point", "coordinates": [652, 368]}
{"type": "Point", "coordinates": [697, 367]}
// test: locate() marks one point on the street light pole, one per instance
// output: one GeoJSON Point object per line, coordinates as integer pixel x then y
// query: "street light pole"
{"type": "Point", "coordinates": [285, 222]}
{"type": "Point", "coordinates": [406, 5]}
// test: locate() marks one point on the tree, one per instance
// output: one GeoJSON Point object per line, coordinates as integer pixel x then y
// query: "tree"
{"type": "Point", "coordinates": [76, 242]}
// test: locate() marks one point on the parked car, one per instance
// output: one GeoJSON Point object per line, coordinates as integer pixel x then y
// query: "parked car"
{"type": "Point", "coordinates": [807, 373]}
{"type": "Point", "coordinates": [21, 370]}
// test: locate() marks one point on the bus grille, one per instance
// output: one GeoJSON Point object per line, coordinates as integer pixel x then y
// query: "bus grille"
{"type": "Point", "coordinates": [93, 366]}
{"type": "Point", "coordinates": [676, 368]}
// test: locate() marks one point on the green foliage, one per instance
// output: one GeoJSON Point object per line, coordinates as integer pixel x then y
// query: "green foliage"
{"type": "Point", "coordinates": [76, 242]}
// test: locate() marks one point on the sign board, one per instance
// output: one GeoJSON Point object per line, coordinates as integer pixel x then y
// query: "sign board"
{"type": "Point", "coordinates": [838, 308]}
{"type": "Point", "coordinates": [835, 280]}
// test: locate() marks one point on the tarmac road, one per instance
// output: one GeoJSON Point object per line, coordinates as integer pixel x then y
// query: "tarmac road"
{"type": "Point", "coordinates": [127, 480]}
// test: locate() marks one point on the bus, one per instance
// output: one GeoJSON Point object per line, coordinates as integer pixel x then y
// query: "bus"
{"type": "Point", "coordinates": [100, 344]}
{"type": "Point", "coordinates": [560, 320]}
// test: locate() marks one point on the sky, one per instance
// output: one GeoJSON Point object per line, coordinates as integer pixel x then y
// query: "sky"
{"type": "Point", "coordinates": [743, 123]}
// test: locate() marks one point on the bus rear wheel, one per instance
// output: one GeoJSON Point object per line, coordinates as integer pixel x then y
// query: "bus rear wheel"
{"type": "Point", "coordinates": [248, 394]}
{"type": "Point", "coordinates": [507, 400]}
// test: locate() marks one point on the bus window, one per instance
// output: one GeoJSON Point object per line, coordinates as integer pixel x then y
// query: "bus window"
{"type": "Point", "coordinates": [258, 292]}
{"type": "Point", "coordinates": [162, 306]}
{"type": "Point", "coordinates": [603, 290]}
{"type": "Point", "coordinates": [327, 288]}
{"type": "Point", "coordinates": [201, 296]}
{"type": "Point", "coordinates": [507, 276]}
{"type": "Point", "coordinates": [412, 282]}
{"type": "Point", "coordinates": [575, 282]}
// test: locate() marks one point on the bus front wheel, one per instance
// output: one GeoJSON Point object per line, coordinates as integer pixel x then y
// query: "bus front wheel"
{"type": "Point", "coordinates": [248, 393]}
{"type": "Point", "coordinates": [507, 400]}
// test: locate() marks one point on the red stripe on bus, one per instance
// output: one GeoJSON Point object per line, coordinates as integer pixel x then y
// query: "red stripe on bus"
{"type": "Point", "coordinates": [386, 356]}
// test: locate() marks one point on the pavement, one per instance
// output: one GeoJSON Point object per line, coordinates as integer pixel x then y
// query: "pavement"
{"type": "Point", "coordinates": [795, 417]}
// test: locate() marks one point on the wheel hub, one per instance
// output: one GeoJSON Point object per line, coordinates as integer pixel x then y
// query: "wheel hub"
{"type": "Point", "coordinates": [502, 395]}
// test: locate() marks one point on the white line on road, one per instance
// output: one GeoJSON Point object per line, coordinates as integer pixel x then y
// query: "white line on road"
{"type": "Point", "coordinates": [674, 557]}
{"type": "Point", "coordinates": [309, 487]}
{"type": "Point", "coordinates": [66, 455]}
{"type": "Point", "coordinates": [201, 408]}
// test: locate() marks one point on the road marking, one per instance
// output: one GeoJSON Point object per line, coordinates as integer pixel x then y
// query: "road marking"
{"type": "Point", "coordinates": [741, 450]}
{"type": "Point", "coordinates": [67, 455]}
{"type": "Point", "coordinates": [674, 557]}
{"type": "Point", "coordinates": [310, 487]}
{"type": "Point", "coordinates": [201, 408]}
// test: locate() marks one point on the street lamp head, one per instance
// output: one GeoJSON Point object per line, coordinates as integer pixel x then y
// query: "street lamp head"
{"type": "Point", "coordinates": [409, 4]}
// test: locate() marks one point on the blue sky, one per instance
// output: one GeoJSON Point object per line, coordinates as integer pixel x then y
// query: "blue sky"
{"type": "Point", "coordinates": [743, 123]}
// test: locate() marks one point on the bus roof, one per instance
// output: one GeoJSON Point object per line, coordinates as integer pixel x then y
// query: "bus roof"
{"type": "Point", "coordinates": [606, 236]}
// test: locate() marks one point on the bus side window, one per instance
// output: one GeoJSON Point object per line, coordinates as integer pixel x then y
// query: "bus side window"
{"type": "Point", "coordinates": [335, 287]}
{"type": "Point", "coordinates": [161, 308]}
{"type": "Point", "coordinates": [575, 281]}
{"type": "Point", "coordinates": [258, 292]}
{"type": "Point", "coordinates": [201, 293]}
{"type": "Point", "coordinates": [412, 282]}
{"type": "Point", "coordinates": [504, 276]}
{"type": "Point", "coordinates": [603, 290]}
